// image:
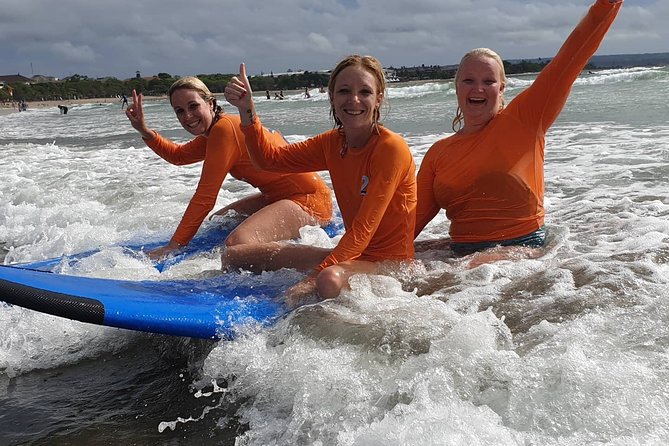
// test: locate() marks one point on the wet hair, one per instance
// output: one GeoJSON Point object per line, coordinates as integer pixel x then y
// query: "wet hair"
{"type": "Point", "coordinates": [476, 52]}
{"type": "Point", "coordinates": [195, 84]}
{"type": "Point", "coordinates": [374, 67]}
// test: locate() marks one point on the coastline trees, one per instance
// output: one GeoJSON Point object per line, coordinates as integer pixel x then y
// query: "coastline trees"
{"type": "Point", "coordinates": [82, 87]}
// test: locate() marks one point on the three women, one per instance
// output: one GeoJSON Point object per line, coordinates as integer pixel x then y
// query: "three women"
{"type": "Point", "coordinates": [488, 176]}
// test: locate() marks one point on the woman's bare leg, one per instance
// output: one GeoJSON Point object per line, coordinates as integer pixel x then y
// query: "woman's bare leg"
{"type": "Point", "coordinates": [244, 206]}
{"type": "Point", "coordinates": [280, 220]}
{"type": "Point", "coordinates": [271, 256]}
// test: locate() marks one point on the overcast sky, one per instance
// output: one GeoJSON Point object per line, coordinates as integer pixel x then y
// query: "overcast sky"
{"type": "Point", "coordinates": [117, 38]}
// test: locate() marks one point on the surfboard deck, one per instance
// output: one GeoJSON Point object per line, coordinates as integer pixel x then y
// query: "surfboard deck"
{"type": "Point", "coordinates": [211, 235]}
{"type": "Point", "coordinates": [211, 308]}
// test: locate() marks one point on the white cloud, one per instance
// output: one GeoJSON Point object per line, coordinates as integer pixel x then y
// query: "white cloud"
{"type": "Point", "coordinates": [72, 53]}
{"type": "Point", "coordinates": [319, 43]}
{"type": "Point", "coordinates": [208, 36]}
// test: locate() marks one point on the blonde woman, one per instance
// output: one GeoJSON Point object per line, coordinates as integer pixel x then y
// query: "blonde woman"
{"type": "Point", "coordinates": [489, 175]}
{"type": "Point", "coordinates": [291, 199]}
{"type": "Point", "coordinates": [372, 172]}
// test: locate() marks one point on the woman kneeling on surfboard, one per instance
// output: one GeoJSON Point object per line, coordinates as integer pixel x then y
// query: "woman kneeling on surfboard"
{"type": "Point", "coordinates": [286, 201]}
{"type": "Point", "coordinates": [372, 172]}
{"type": "Point", "coordinates": [489, 175]}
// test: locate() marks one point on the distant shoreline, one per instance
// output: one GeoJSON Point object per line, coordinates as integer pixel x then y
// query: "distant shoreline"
{"type": "Point", "coordinates": [8, 108]}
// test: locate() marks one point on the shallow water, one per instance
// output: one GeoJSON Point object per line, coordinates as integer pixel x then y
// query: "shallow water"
{"type": "Point", "coordinates": [569, 348]}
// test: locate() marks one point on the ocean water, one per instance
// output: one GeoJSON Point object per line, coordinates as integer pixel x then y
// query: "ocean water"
{"type": "Point", "coordinates": [570, 348]}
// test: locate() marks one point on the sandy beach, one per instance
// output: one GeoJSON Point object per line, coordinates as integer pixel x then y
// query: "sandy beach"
{"type": "Point", "coordinates": [12, 108]}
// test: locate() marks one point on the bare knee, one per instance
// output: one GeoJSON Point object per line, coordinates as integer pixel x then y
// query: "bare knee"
{"type": "Point", "coordinates": [231, 240]}
{"type": "Point", "coordinates": [330, 282]}
{"type": "Point", "coordinates": [230, 258]}
{"type": "Point", "coordinates": [238, 237]}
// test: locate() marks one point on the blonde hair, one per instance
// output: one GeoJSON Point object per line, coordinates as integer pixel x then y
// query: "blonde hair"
{"type": "Point", "coordinates": [476, 52]}
{"type": "Point", "coordinates": [374, 67]}
{"type": "Point", "coordinates": [195, 84]}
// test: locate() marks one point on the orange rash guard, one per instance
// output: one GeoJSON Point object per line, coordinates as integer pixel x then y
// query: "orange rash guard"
{"type": "Point", "coordinates": [223, 151]}
{"type": "Point", "coordinates": [375, 188]}
{"type": "Point", "coordinates": [491, 183]}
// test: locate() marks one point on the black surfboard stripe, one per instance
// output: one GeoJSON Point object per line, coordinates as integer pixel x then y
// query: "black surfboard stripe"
{"type": "Point", "coordinates": [57, 304]}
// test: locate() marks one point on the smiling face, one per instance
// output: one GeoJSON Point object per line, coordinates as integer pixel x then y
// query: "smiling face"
{"type": "Point", "coordinates": [194, 113]}
{"type": "Point", "coordinates": [355, 98]}
{"type": "Point", "coordinates": [480, 87]}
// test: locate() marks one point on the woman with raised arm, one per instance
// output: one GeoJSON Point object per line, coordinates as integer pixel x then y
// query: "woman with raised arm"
{"type": "Point", "coordinates": [489, 175]}
{"type": "Point", "coordinates": [372, 172]}
{"type": "Point", "coordinates": [285, 203]}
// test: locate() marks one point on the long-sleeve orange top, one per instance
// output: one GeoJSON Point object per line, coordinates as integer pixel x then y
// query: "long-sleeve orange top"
{"type": "Point", "coordinates": [375, 187]}
{"type": "Point", "coordinates": [491, 183]}
{"type": "Point", "coordinates": [224, 151]}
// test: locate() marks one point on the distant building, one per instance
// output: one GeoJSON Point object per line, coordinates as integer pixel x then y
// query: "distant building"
{"type": "Point", "coordinates": [15, 78]}
{"type": "Point", "coordinates": [146, 78]}
{"type": "Point", "coordinates": [288, 73]}
{"type": "Point", "coordinates": [39, 78]}
{"type": "Point", "coordinates": [391, 75]}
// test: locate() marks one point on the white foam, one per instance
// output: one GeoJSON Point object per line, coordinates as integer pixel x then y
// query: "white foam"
{"type": "Point", "coordinates": [567, 348]}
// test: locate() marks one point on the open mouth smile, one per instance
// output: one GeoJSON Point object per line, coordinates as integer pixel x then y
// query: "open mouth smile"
{"type": "Point", "coordinates": [354, 112]}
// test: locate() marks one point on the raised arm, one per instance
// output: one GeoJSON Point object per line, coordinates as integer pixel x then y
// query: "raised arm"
{"type": "Point", "coordinates": [265, 152]}
{"type": "Point", "coordinates": [544, 99]}
{"type": "Point", "coordinates": [238, 93]}
{"type": "Point", "coordinates": [179, 154]}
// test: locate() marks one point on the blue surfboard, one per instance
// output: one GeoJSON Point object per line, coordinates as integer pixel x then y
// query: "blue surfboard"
{"type": "Point", "coordinates": [212, 308]}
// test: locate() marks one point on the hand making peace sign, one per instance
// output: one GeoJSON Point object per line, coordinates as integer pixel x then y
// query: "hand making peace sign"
{"type": "Point", "coordinates": [135, 114]}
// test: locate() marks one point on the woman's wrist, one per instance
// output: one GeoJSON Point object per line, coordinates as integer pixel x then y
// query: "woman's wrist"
{"type": "Point", "coordinates": [248, 116]}
{"type": "Point", "coordinates": [148, 134]}
{"type": "Point", "coordinates": [173, 244]}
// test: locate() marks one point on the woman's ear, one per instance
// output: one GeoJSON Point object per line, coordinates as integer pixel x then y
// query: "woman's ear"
{"type": "Point", "coordinates": [379, 99]}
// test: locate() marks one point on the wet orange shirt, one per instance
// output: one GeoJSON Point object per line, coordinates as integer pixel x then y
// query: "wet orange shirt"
{"type": "Point", "coordinates": [375, 187]}
{"type": "Point", "coordinates": [224, 151]}
{"type": "Point", "coordinates": [491, 183]}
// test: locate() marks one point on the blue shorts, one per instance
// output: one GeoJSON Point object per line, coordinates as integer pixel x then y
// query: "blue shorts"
{"type": "Point", "coordinates": [535, 239]}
